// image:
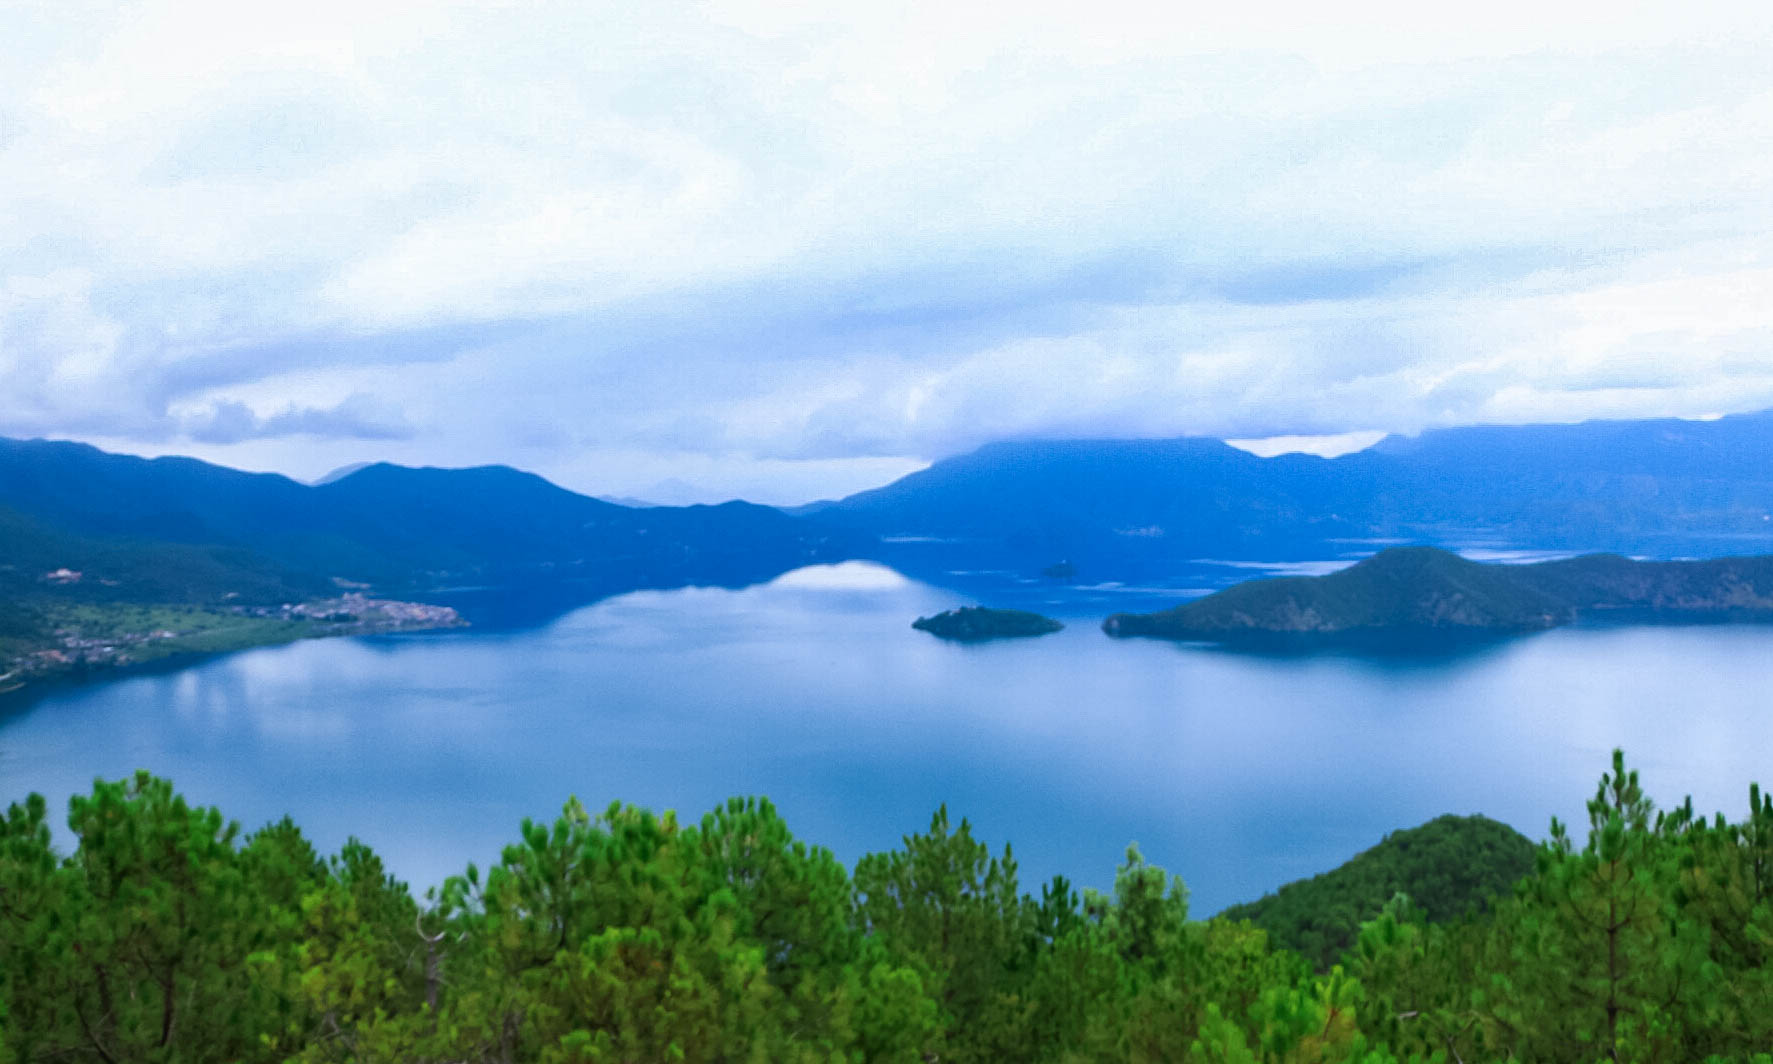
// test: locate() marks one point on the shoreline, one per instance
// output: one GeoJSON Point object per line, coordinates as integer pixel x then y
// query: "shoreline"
{"type": "Point", "coordinates": [77, 656]}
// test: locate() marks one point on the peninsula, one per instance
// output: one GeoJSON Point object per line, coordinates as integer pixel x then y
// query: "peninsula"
{"type": "Point", "coordinates": [973, 624]}
{"type": "Point", "coordinates": [43, 637]}
{"type": "Point", "coordinates": [1425, 589]}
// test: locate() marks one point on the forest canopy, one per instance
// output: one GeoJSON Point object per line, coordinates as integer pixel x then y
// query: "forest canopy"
{"type": "Point", "coordinates": [1448, 867]}
{"type": "Point", "coordinates": [169, 935]}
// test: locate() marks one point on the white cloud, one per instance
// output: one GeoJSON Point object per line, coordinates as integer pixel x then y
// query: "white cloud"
{"type": "Point", "coordinates": [1328, 446]}
{"type": "Point", "coordinates": [357, 417]}
{"type": "Point", "coordinates": [764, 242]}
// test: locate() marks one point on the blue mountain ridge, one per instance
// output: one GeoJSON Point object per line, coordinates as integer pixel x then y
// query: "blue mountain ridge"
{"type": "Point", "coordinates": [1662, 487]}
{"type": "Point", "coordinates": [1114, 509]}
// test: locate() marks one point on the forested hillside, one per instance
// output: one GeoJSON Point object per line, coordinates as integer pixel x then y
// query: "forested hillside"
{"type": "Point", "coordinates": [223, 556]}
{"type": "Point", "coordinates": [1450, 867]}
{"type": "Point", "coordinates": [402, 530]}
{"type": "Point", "coordinates": [1426, 589]}
{"type": "Point", "coordinates": [168, 935]}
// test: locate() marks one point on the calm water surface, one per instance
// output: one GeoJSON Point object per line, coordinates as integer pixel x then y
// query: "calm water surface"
{"type": "Point", "coordinates": [1240, 772]}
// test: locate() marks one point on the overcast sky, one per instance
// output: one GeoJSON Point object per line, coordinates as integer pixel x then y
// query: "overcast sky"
{"type": "Point", "coordinates": [792, 249]}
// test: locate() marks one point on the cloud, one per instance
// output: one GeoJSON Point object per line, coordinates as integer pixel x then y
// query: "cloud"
{"type": "Point", "coordinates": [766, 242]}
{"type": "Point", "coordinates": [61, 357]}
{"type": "Point", "coordinates": [358, 417]}
{"type": "Point", "coordinates": [1329, 446]}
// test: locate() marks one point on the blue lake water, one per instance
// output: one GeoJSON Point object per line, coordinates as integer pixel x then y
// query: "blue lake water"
{"type": "Point", "coordinates": [1237, 771]}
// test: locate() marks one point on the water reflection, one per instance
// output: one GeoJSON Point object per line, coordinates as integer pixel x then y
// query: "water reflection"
{"type": "Point", "coordinates": [1386, 651]}
{"type": "Point", "coordinates": [1237, 770]}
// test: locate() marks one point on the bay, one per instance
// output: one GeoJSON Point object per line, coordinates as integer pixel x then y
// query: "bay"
{"type": "Point", "coordinates": [1237, 771]}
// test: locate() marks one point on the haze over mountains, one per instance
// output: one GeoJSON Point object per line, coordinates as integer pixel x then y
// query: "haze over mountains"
{"type": "Point", "coordinates": [399, 529]}
{"type": "Point", "coordinates": [1115, 508]}
{"type": "Point", "coordinates": [1659, 487]}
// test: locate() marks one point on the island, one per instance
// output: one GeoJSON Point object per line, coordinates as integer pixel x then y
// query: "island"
{"type": "Point", "coordinates": [1429, 590]}
{"type": "Point", "coordinates": [975, 624]}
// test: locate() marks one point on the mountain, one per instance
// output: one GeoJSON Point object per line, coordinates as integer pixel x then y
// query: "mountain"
{"type": "Point", "coordinates": [341, 473]}
{"type": "Point", "coordinates": [1448, 867]}
{"type": "Point", "coordinates": [1663, 488]}
{"type": "Point", "coordinates": [1109, 509]}
{"type": "Point", "coordinates": [1400, 588]}
{"type": "Point", "coordinates": [1406, 589]}
{"type": "Point", "coordinates": [393, 527]}
{"type": "Point", "coordinates": [1089, 500]}
{"type": "Point", "coordinates": [98, 568]}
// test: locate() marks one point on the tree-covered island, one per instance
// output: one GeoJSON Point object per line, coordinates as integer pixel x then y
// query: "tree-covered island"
{"type": "Point", "coordinates": [975, 624]}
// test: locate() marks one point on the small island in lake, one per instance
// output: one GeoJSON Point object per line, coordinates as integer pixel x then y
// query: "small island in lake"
{"type": "Point", "coordinates": [972, 624]}
{"type": "Point", "coordinates": [1428, 590]}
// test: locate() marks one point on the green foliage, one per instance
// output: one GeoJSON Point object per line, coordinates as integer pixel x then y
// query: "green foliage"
{"type": "Point", "coordinates": [194, 629]}
{"type": "Point", "coordinates": [1449, 867]}
{"type": "Point", "coordinates": [146, 945]}
{"type": "Point", "coordinates": [168, 936]}
{"type": "Point", "coordinates": [1398, 588]}
{"type": "Point", "coordinates": [1646, 944]}
{"type": "Point", "coordinates": [1426, 589]}
{"type": "Point", "coordinates": [973, 624]}
{"type": "Point", "coordinates": [45, 633]}
{"type": "Point", "coordinates": [117, 569]}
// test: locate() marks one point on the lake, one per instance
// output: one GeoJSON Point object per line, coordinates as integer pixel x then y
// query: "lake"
{"type": "Point", "coordinates": [1237, 771]}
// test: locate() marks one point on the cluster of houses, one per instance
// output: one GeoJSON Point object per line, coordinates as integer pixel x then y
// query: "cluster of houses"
{"type": "Point", "coordinates": [77, 649]}
{"type": "Point", "coordinates": [356, 608]}
{"type": "Point", "coordinates": [350, 613]}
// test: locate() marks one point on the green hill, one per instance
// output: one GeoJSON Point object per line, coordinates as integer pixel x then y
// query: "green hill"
{"type": "Point", "coordinates": [1401, 588]}
{"type": "Point", "coordinates": [1726, 586]}
{"type": "Point", "coordinates": [1448, 867]}
{"type": "Point", "coordinates": [129, 569]}
{"type": "Point", "coordinates": [1424, 589]}
{"type": "Point", "coordinates": [110, 559]}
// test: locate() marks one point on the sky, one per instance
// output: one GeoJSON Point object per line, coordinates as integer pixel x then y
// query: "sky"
{"type": "Point", "coordinates": [785, 250]}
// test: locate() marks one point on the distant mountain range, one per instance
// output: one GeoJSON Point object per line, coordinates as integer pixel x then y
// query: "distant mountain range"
{"type": "Point", "coordinates": [1118, 508]}
{"type": "Point", "coordinates": [124, 522]}
{"type": "Point", "coordinates": [177, 529]}
{"type": "Point", "coordinates": [1425, 589]}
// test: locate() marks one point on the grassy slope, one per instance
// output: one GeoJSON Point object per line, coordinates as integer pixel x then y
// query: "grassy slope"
{"type": "Point", "coordinates": [83, 635]}
{"type": "Point", "coordinates": [198, 630]}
